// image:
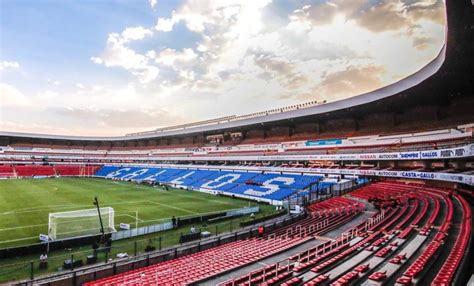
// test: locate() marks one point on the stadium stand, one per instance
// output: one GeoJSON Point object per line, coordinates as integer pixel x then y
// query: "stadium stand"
{"type": "Point", "coordinates": [436, 139]}
{"type": "Point", "coordinates": [68, 170]}
{"type": "Point", "coordinates": [75, 170]}
{"type": "Point", "coordinates": [196, 267]}
{"type": "Point", "coordinates": [249, 184]}
{"type": "Point", "coordinates": [7, 171]}
{"type": "Point", "coordinates": [30, 171]}
{"type": "Point", "coordinates": [379, 253]}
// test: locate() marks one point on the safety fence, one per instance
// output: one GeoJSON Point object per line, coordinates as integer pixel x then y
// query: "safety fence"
{"type": "Point", "coordinates": [134, 232]}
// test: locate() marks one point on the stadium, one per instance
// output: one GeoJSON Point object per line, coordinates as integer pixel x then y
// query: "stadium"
{"type": "Point", "coordinates": [373, 189]}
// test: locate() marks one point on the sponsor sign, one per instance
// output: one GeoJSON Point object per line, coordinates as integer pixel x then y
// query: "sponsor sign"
{"type": "Point", "coordinates": [348, 157]}
{"type": "Point", "coordinates": [410, 155]}
{"type": "Point", "coordinates": [459, 152]}
{"type": "Point", "coordinates": [323, 142]}
{"type": "Point", "coordinates": [368, 156]}
{"type": "Point", "coordinates": [388, 156]}
{"type": "Point", "coordinates": [43, 238]}
{"type": "Point", "coordinates": [430, 154]}
{"type": "Point", "coordinates": [367, 172]}
{"type": "Point", "coordinates": [446, 153]}
{"type": "Point", "coordinates": [124, 226]}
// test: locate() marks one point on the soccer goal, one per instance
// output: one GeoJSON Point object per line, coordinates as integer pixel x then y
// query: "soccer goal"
{"type": "Point", "coordinates": [78, 223]}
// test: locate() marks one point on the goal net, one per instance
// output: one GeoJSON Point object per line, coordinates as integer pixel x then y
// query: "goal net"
{"type": "Point", "coordinates": [80, 223]}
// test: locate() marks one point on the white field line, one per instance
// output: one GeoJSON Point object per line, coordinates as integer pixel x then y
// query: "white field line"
{"type": "Point", "coordinates": [19, 239]}
{"type": "Point", "coordinates": [176, 208]}
{"type": "Point", "coordinates": [19, 227]}
{"type": "Point", "coordinates": [140, 220]}
{"type": "Point", "coordinates": [43, 208]}
{"type": "Point", "coordinates": [45, 224]}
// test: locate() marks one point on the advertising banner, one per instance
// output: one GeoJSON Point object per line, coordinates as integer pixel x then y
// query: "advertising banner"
{"type": "Point", "coordinates": [323, 142]}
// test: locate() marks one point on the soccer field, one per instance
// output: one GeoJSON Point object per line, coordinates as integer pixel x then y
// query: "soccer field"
{"type": "Point", "coordinates": [25, 204]}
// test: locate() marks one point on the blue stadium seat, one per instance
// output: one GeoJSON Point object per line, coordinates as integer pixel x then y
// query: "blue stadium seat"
{"type": "Point", "coordinates": [272, 186]}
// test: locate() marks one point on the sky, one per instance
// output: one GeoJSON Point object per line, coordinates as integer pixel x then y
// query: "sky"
{"type": "Point", "coordinates": [113, 67]}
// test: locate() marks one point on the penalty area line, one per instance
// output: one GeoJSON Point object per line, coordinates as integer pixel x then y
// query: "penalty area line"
{"type": "Point", "coordinates": [140, 220]}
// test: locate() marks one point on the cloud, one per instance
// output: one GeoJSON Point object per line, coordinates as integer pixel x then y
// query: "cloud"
{"type": "Point", "coordinates": [225, 27]}
{"type": "Point", "coordinates": [349, 82]}
{"type": "Point", "coordinates": [280, 69]}
{"type": "Point", "coordinates": [153, 3]}
{"type": "Point", "coordinates": [171, 57]}
{"type": "Point", "coordinates": [47, 95]}
{"type": "Point", "coordinates": [54, 82]}
{"type": "Point", "coordinates": [327, 51]}
{"type": "Point", "coordinates": [9, 64]}
{"type": "Point", "coordinates": [165, 25]}
{"type": "Point", "coordinates": [379, 16]}
{"type": "Point", "coordinates": [136, 118]}
{"type": "Point", "coordinates": [386, 16]}
{"type": "Point", "coordinates": [422, 43]}
{"type": "Point", "coordinates": [433, 10]}
{"type": "Point", "coordinates": [320, 14]}
{"type": "Point", "coordinates": [117, 54]}
{"type": "Point", "coordinates": [135, 33]}
{"type": "Point", "coordinates": [10, 96]}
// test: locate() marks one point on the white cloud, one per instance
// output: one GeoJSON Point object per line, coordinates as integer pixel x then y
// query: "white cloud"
{"type": "Point", "coordinates": [47, 95]}
{"type": "Point", "coordinates": [153, 3]}
{"type": "Point", "coordinates": [249, 59]}
{"type": "Point", "coordinates": [170, 57]}
{"type": "Point", "coordinates": [147, 74]}
{"type": "Point", "coordinates": [54, 82]}
{"type": "Point", "coordinates": [117, 54]}
{"type": "Point", "coordinates": [165, 25]}
{"type": "Point", "coordinates": [80, 85]}
{"type": "Point", "coordinates": [10, 96]}
{"type": "Point", "coordinates": [135, 33]}
{"type": "Point", "coordinates": [8, 64]}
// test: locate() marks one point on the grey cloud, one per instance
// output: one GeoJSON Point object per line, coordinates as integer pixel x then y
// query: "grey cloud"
{"type": "Point", "coordinates": [320, 14]}
{"type": "Point", "coordinates": [349, 82]}
{"type": "Point", "coordinates": [421, 43]}
{"type": "Point", "coordinates": [434, 11]}
{"type": "Point", "coordinates": [280, 69]}
{"type": "Point", "coordinates": [385, 15]}
{"type": "Point", "coordinates": [391, 15]}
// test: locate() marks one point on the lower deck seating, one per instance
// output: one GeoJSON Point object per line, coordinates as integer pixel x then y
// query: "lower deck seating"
{"type": "Point", "coordinates": [31, 170]}
{"type": "Point", "coordinates": [6, 171]}
{"type": "Point", "coordinates": [49, 170]}
{"type": "Point", "coordinates": [408, 209]}
{"type": "Point", "coordinates": [68, 170]}
{"type": "Point", "coordinates": [195, 267]}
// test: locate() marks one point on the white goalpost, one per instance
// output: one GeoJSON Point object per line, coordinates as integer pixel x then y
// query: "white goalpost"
{"type": "Point", "coordinates": [78, 223]}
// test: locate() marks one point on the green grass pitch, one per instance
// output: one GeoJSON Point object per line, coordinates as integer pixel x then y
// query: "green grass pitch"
{"type": "Point", "coordinates": [25, 204]}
